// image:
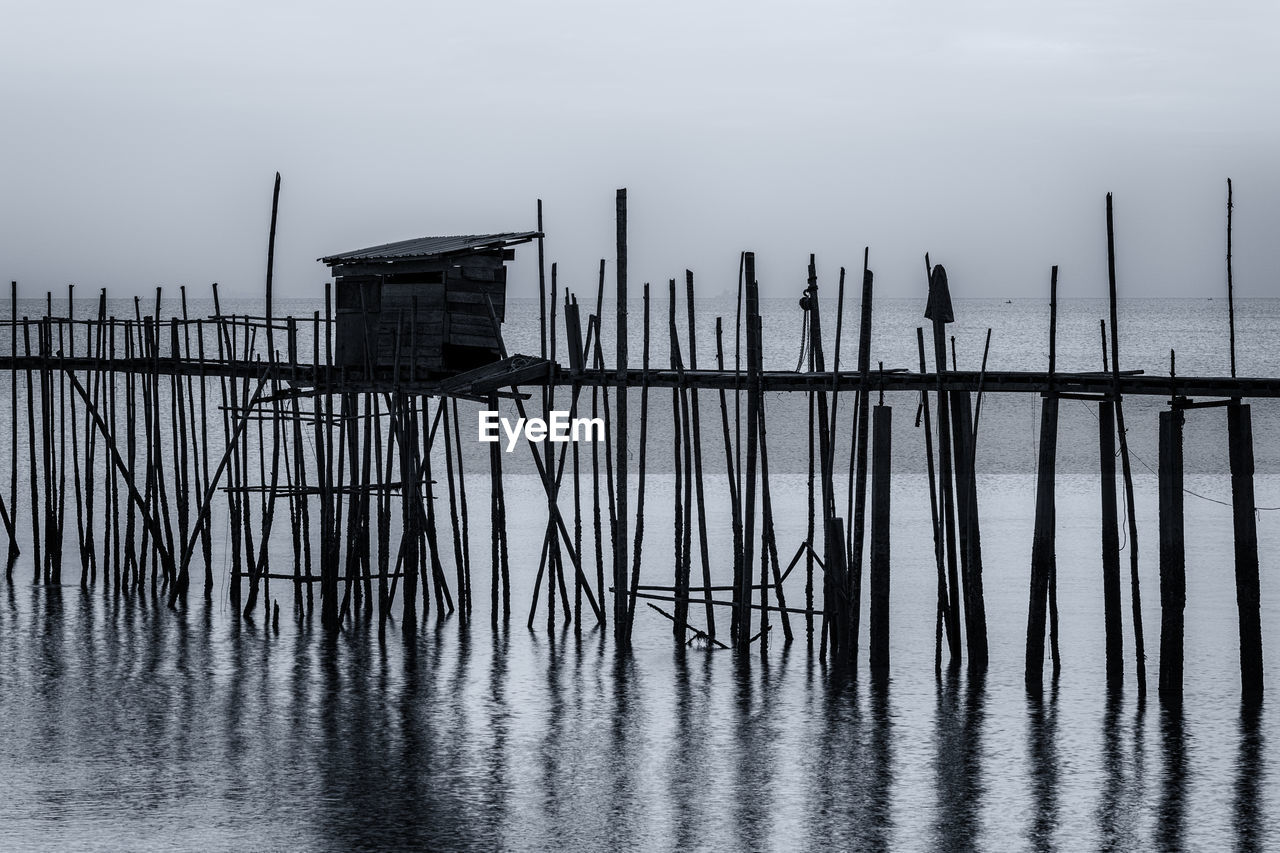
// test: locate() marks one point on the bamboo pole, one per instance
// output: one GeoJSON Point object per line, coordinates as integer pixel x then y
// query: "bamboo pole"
{"type": "Point", "coordinates": [621, 625]}
{"type": "Point", "coordinates": [640, 480]}
{"type": "Point", "coordinates": [14, 551]}
{"type": "Point", "coordinates": [743, 580]}
{"type": "Point", "coordinates": [939, 310]}
{"type": "Point", "coordinates": [860, 481]}
{"type": "Point", "coordinates": [1231, 298]}
{"type": "Point", "coordinates": [735, 504]}
{"type": "Point", "coordinates": [1139, 646]}
{"type": "Point", "coordinates": [1042, 546]}
{"type": "Point", "coordinates": [696, 423]}
{"type": "Point", "coordinates": [943, 606]}
{"type": "Point", "coordinates": [462, 499]}
{"type": "Point", "coordinates": [681, 454]}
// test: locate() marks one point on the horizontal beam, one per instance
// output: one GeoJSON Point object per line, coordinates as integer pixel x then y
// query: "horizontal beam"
{"type": "Point", "coordinates": [995, 382]}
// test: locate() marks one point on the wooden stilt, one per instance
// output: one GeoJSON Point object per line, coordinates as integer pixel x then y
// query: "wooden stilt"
{"type": "Point", "coordinates": [1173, 577]}
{"type": "Point", "coordinates": [1110, 545]}
{"type": "Point", "coordinates": [1042, 546]}
{"type": "Point", "coordinates": [939, 310]}
{"type": "Point", "coordinates": [620, 605]}
{"type": "Point", "coordinates": [696, 424]}
{"type": "Point", "coordinates": [882, 423]}
{"type": "Point", "coordinates": [1139, 644]}
{"type": "Point", "coordinates": [1240, 441]}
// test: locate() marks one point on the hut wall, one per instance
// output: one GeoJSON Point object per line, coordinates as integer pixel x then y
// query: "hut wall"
{"type": "Point", "coordinates": [436, 308]}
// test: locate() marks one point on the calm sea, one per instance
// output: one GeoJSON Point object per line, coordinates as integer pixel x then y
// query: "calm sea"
{"type": "Point", "coordinates": [127, 725]}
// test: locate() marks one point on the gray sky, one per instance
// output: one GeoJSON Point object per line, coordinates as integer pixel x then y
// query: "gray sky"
{"type": "Point", "coordinates": [139, 143]}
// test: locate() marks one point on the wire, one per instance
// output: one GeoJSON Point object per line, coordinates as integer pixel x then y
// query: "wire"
{"type": "Point", "coordinates": [1144, 464]}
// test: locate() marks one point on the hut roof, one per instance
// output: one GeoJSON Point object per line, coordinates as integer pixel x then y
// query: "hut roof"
{"type": "Point", "coordinates": [433, 247]}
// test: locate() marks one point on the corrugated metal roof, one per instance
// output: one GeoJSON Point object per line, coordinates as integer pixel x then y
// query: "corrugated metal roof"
{"type": "Point", "coordinates": [430, 247]}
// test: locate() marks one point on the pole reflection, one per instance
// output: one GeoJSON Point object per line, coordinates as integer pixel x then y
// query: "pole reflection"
{"type": "Point", "coordinates": [958, 766]}
{"type": "Point", "coordinates": [1042, 754]}
{"type": "Point", "coordinates": [1249, 813]}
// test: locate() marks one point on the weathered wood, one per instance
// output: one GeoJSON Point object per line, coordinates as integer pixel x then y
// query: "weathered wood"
{"type": "Point", "coordinates": [640, 480]}
{"type": "Point", "coordinates": [735, 505]}
{"type": "Point", "coordinates": [1173, 576]}
{"type": "Point", "coordinates": [620, 624]}
{"type": "Point", "coordinates": [1231, 296]}
{"type": "Point", "coordinates": [882, 436]}
{"type": "Point", "coordinates": [860, 479]}
{"type": "Point", "coordinates": [940, 312]}
{"type": "Point", "coordinates": [1135, 592]}
{"type": "Point", "coordinates": [968, 528]}
{"type": "Point", "coordinates": [743, 581]}
{"type": "Point", "coordinates": [945, 617]}
{"type": "Point", "coordinates": [14, 550]}
{"type": "Point", "coordinates": [835, 621]}
{"type": "Point", "coordinates": [1243, 511]}
{"type": "Point", "coordinates": [1043, 556]}
{"type": "Point", "coordinates": [1111, 615]}
{"type": "Point", "coordinates": [681, 463]}
{"type": "Point", "coordinates": [499, 572]}
{"type": "Point", "coordinates": [703, 550]}
{"type": "Point", "coordinates": [768, 545]}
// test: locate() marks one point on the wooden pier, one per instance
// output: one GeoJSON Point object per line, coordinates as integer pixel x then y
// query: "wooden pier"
{"type": "Point", "coordinates": [143, 426]}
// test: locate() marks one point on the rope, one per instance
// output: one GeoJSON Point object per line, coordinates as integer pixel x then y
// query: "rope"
{"type": "Point", "coordinates": [804, 337]}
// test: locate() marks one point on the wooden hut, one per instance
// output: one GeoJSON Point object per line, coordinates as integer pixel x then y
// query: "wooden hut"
{"type": "Point", "coordinates": [429, 295]}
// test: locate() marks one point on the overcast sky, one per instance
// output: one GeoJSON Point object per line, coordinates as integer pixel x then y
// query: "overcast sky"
{"type": "Point", "coordinates": [140, 139]}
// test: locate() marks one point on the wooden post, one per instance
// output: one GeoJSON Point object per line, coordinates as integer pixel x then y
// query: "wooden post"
{"type": "Point", "coordinates": [620, 626]}
{"type": "Point", "coordinates": [697, 458]}
{"type": "Point", "coordinates": [1173, 576]}
{"type": "Point", "coordinates": [743, 581]}
{"type": "Point", "coordinates": [114, 493]}
{"type": "Point", "coordinates": [735, 505]}
{"type": "Point", "coordinates": [1110, 545]}
{"type": "Point", "coordinates": [944, 617]}
{"type": "Point", "coordinates": [464, 605]}
{"type": "Point", "coordinates": [422, 469]}
{"type": "Point", "coordinates": [680, 449]}
{"type": "Point", "coordinates": [599, 401]}
{"type": "Point", "coordinates": [499, 577]}
{"type": "Point", "coordinates": [13, 430]}
{"type": "Point", "coordinates": [1042, 543]}
{"type": "Point", "coordinates": [462, 500]}
{"type": "Point", "coordinates": [769, 549]}
{"type": "Point", "coordinates": [882, 434]}
{"type": "Point", "coordinates": [969, 538]}
{"type": "Point", "coordinates": [836, 576]}
{"type": "Point", "coordinates": [39, 511]}
{"type": "Point", "coordinates": [1240, 440]}
{"type": "Point", "coordinates": [630, 591]}
{"type": "Point", "coordinates": [860, 480]}
{"type": "Point", "coordinates": [811, 526]}
{"type": "Point", "coordinates": [1231, 297]}
{"type": "Point", "coordinates": [835, 610]}
{"type": "Point", "coordinates": [939, 310]}
{"type": "Point", "coordinates": [1139, 645]}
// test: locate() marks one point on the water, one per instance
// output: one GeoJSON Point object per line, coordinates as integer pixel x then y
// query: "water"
{"type": "Point", "coordinates": [127, 725]}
